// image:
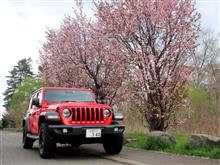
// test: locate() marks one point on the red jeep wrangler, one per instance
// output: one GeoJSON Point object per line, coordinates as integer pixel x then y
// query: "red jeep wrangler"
{"type": "Point", "coordinates": [70, 115]}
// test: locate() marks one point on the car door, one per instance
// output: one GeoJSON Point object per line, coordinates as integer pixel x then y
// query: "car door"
{"type": "Point", "coordinates": [30, 115]}
{"type": "Point", "coordinates": [35, 113]}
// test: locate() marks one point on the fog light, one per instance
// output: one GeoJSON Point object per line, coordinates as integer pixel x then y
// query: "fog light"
{"type": "Point", "coordinates": [116, 129]}
{"type": "Point", "coordinates": [65, 130]}
{"type": "Point", "coordinates": [121, 130]}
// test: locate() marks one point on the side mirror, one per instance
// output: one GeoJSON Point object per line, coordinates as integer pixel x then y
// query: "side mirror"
{"type": "Point", "coordinates": [118, 116]}
{"type": "Point", "coordinates": [104, 101]}
{"type": "Point", "coordinates": [98, 101]}
{"type": "Point", "coordinates": [36, 102]}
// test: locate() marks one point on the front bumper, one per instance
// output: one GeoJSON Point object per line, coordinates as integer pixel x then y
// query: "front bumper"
{"type": "Point", "coordinates": [63, 133]}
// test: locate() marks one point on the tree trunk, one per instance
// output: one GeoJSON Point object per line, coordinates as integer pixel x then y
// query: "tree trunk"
{"type": "Point", "coordinates": [157, 124]}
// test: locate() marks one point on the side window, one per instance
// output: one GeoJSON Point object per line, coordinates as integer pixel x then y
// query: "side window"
{"type": "Point", "coordinates": [30, 104]}
{"type": "Point", "coordinates": [34, 96]}
{"type": "Point", "coordinates": [39, 96]}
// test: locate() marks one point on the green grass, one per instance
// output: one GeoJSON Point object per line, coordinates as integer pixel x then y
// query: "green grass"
{"type": "Point", "coordinates": [140, 140]}
{"type": "Point", "coordinates": [143, 142]}
{"type": "Point", "coordinates": [153, 143]}
{"type": "Point", "coordinates": [12, 129]}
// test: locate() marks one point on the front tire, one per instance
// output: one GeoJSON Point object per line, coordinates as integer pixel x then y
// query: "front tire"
{"type": "Point", "coordinates": [27, 142]}
{"type": "Point", "coordinates": [113, 144]}
{"type": "Point", "coordinates": [47, 145]}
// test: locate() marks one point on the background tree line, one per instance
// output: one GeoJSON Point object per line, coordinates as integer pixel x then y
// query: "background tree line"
{"type": "Point", "coordinates": [21, 82]}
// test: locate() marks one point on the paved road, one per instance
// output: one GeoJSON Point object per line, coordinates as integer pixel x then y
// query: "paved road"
{"type": "Point", "coordinates": [11, 152]}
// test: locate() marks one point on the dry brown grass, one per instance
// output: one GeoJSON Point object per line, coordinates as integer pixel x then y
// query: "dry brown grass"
{"type": "Point", "coordinates": [204, 119]}
{"type": "Point", "coordinates": [132, 118]}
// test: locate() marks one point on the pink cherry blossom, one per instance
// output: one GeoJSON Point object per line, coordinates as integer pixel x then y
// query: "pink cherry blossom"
{"type": "Point", "coordinates": [157, 38]}
{"type": "Point", "coordinates": [78, 54]}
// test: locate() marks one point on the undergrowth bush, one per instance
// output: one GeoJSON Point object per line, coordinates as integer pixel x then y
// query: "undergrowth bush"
{"type": "Point", "coordinates": [144, 141]}
{"type": "Point", "coordinates": [153, 143]}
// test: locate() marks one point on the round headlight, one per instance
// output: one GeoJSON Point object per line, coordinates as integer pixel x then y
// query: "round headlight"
{"type": "Point", "coordinates": [107, 113]}
{"type": "Point", "coordinates": [66, 113]}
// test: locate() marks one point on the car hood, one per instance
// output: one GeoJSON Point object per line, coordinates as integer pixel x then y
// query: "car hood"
{"type": "Point", "coordinates": [77, 104]}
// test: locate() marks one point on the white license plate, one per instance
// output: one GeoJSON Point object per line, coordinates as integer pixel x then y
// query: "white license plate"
{"type": "Point", "coordinates": [93, 133]}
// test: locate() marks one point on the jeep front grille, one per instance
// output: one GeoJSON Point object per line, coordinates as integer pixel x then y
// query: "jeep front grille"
{"type": "Point", "coordinates": [87, 115]}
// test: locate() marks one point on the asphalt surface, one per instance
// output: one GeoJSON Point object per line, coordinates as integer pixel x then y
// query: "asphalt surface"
{"type": "Point", "coordinates": [11, 152]}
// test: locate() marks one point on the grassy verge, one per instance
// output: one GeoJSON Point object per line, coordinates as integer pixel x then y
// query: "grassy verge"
{"type": "Point", "coordinates": [180, 148]}
{"type": "Point", "coordinates": [12, 129]}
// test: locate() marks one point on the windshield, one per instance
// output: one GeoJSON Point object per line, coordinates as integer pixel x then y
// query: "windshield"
{"type": "Point", "coordinates": [68, 96]}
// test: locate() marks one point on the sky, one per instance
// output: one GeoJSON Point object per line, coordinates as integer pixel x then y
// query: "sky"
{"type": "Point", "coordinates": [23, 24]}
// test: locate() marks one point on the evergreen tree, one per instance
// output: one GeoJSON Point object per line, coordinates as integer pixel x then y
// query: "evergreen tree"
{"type": "Point", "coordinates": [20, 71]}
{"type": "Point", "coordinates": [18, 103]}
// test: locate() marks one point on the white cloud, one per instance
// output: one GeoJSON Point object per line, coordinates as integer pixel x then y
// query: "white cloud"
{"type": "Point", "coordinates": [21, 31]}
{"type": "Point", "coordinates": [210, 11]}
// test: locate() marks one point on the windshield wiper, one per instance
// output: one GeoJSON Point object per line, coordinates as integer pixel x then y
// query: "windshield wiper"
{"type": "Point", "coordinates": [66, 101]}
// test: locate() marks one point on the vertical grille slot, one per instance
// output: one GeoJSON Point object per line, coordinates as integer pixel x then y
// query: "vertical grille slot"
{"type": "Point", "coordinates": [93, 114]}
{"type": "Point", "coordinates": [101, 113]}
{"type": "Point", "coordinates": [87, 115]}
{"type": "Point", "coordinates": [73, 114]}
{"type": "Point", "coordinates": [97, 114]}
{"type": "Point", "coordinates": [78, 114]}
{"type": "Point", "coordinates": [83, 114]}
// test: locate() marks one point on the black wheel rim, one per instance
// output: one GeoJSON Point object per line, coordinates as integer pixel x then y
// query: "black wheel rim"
{"type": "Point", "coordinates": [41, 142]}
{"type": "Point", "coordinates": [24, 136]}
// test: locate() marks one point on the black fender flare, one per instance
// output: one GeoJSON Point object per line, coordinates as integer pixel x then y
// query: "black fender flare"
{"type": "Point", "coordinates": [26, 123]}
{"type": "Point", "coordinates": [44, 117]}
